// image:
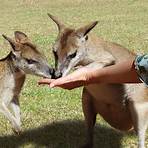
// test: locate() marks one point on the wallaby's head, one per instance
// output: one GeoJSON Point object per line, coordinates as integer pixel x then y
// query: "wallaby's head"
{"type": "Point", "coordinates": [26, 57]}
{"type": "Point", "coordinates": [70, 46]}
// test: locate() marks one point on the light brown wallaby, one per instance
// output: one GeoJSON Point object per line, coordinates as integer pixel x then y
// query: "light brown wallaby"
{"type": "Point", "coordinates": [24, 58]}
{"type": "Point", "coordinates": [123, 106]}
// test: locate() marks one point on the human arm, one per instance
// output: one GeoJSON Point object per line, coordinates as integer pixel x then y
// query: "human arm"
{"type": "Point", "coordinates": [123, 72]}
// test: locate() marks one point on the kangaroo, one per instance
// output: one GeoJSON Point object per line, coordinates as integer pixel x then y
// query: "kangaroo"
{"type": "Point", "coordinates": [123, 106]}
{"type": "Point", "coordinates": [23, 59]}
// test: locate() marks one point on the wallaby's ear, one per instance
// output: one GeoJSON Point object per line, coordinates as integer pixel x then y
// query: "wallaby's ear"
{"type": "Point", "coordinates": [86, 29]}
{"type": "Point", "coordinates": [20, 37]}
{"type": "Point", "coordinates": [12, 42]}
{"type": "Point", "coordinates": [60, 25]}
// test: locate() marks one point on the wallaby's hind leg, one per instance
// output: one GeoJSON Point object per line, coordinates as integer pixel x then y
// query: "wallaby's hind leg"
{"type": "Point", "coordinates": [139, 114]}
{"type": "Point", "coordinates": [4, 109]}
{"type": "Point", "coordinates": [90, 117]}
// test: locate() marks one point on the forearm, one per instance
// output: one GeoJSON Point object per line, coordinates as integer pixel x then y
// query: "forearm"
{"type": "Point", "coordinates": [123, 72]}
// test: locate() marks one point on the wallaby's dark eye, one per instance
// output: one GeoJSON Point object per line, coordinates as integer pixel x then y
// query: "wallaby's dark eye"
{"type": "Point", "coordinates": [86, 38]}
{"type": "Point", "coordinates": [72, 55]}
{"type": "Point", "coordinates": [30, 61]}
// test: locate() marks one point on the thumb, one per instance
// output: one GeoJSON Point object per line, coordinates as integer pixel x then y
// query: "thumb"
{"type": "Point", "coordinates": [59, 82]}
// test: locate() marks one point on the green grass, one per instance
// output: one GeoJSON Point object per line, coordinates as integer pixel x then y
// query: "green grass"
{"type": "Point", "coordinates": [53, 117]}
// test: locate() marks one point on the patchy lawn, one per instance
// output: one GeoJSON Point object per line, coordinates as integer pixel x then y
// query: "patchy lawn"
{"type": "Point", "coordinates": [53, 117]}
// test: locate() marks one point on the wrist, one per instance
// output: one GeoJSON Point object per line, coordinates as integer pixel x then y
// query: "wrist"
{"type": "Point", "coordinates": [93, 76]}
{"type": "Point", "coordinates": [87, 77]}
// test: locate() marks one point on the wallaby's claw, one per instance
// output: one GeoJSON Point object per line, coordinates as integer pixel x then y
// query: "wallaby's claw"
{"type": "Point", "coordinates": [17, 132]}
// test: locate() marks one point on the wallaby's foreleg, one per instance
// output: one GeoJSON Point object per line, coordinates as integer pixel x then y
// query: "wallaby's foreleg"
{"type": "Point", "coordinates": [90, 117]}
{"type": "Point", "coordinates": [139, 114]}
{"type": "Point", "coordinates": [141, 136]}
{"type": "Point", "coordinates": [4, 109]}
{"type": "Point", "coordinates": [142, 124]}
{"type": "Point", "coordinates": [15, 106]}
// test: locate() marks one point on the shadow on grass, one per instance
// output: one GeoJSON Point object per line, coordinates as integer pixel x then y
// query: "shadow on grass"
{"type": "Point", "coordinates": [65, 134]}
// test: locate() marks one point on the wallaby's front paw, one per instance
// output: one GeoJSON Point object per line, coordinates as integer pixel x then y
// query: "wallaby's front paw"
{"type": "Point", "coordinates": [17, 131]}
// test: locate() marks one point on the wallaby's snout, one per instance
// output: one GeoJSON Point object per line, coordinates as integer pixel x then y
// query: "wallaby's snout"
{"type": "Point", "coordinates": [57, 74]}
{"type": "Point", "coordinates": [52, 73]}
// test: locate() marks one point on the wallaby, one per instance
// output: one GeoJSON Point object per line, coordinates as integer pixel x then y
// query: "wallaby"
{"type": "Point", "coordinates": [24, 58]}
{"type": "Point", "coordinates": [123, 106]}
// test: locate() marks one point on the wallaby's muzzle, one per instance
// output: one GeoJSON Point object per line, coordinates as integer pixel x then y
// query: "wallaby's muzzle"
{"type": "Point", "coordinates": [52, 72]}
{"type": "Point", "coordinates": [56, 74]}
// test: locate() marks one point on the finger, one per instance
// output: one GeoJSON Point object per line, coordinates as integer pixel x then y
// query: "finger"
{"type": "Point", "coordinates": [60, 82]}
{"type": "Point", "coordinates": [45, 81]}
{"type": "Point", "coordinates": [56, 83]}
{"type": "Point", "coordinates": [64, 86]}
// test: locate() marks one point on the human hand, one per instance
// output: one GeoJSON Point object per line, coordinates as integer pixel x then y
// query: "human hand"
{"type": "Point", "coordinates": [76, 79]}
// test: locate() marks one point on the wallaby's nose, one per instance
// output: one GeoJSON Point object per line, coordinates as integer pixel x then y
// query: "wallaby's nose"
{"type": "Point", "coordinates": [52, 72]}
{"type": "Point", "coordinates": [58, 74]}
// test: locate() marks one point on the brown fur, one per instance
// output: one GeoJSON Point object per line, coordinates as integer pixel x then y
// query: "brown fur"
{"type": "Point", "coordinates": [24, 58]}
{"type": "Point", "coordinates": [123, 106]}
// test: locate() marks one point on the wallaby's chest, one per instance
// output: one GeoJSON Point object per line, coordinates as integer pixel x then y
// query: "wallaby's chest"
{"type": "Point", "coordinates": [7, 86]}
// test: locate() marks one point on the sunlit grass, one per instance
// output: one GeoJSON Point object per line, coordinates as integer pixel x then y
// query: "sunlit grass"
{"type": "Point", "coordinates": [53, 117]}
